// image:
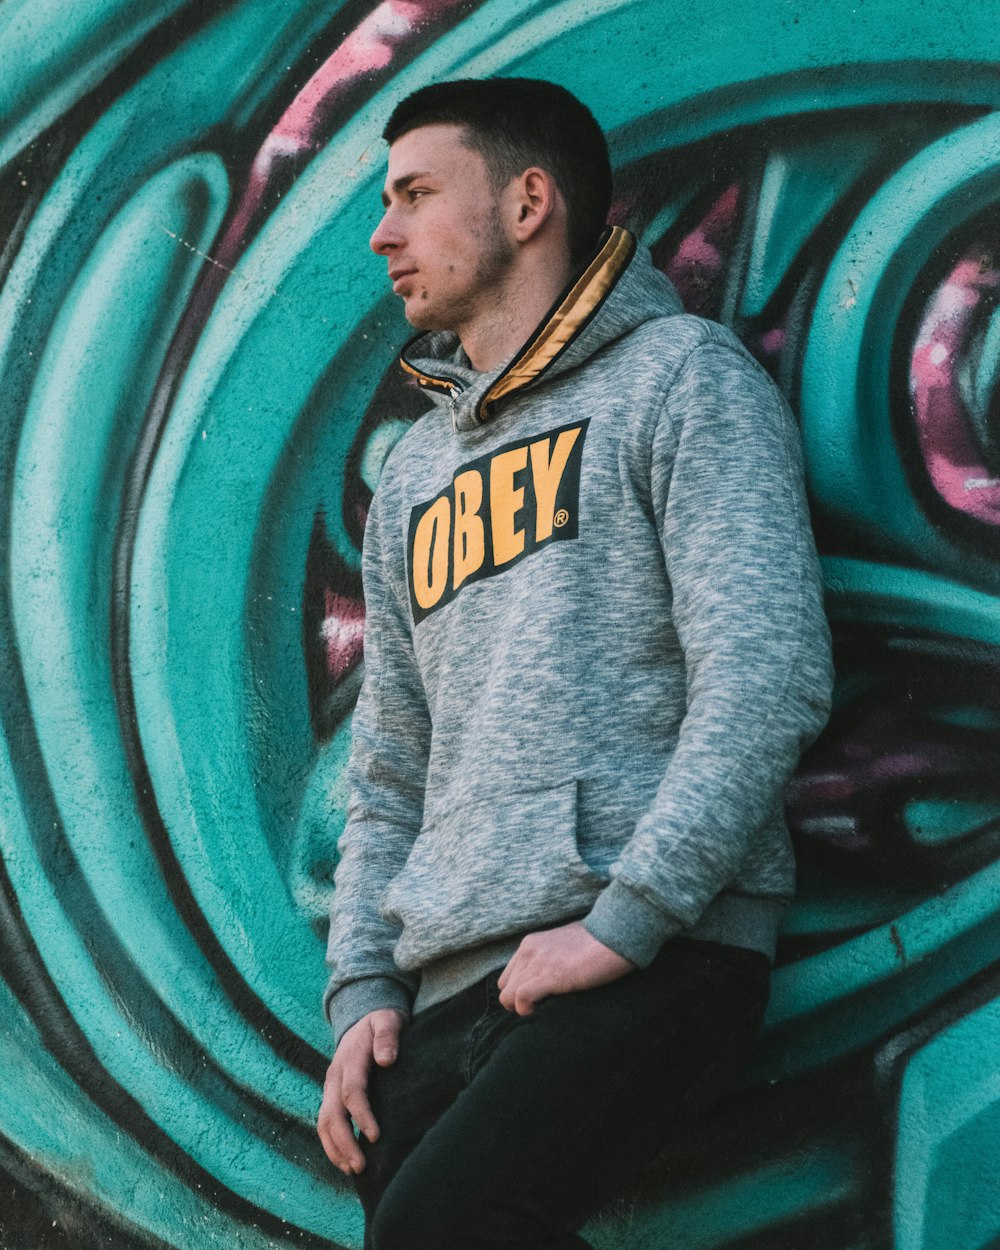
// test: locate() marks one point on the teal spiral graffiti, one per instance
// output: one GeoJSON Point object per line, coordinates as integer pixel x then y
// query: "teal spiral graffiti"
{"type": "Point", "coordinates": [187, 381]}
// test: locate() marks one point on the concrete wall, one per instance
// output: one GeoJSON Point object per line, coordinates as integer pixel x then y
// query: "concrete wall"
{"type": "Point", "coordinates": [197, 395]}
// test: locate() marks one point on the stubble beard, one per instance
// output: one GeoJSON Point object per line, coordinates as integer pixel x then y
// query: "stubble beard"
{"type": "Point", "coordinates": [495, 260]}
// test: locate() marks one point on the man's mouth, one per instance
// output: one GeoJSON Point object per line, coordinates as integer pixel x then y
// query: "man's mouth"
{"type": "Point", "coordinates": [396, 276]}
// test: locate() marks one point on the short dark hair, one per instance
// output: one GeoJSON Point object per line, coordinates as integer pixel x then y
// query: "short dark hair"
{"type": "Point", "coordinates": [517, 122]}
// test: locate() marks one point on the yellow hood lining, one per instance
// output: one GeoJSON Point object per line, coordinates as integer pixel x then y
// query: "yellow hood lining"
{"type": "Point", "coordinates": [580, 304]}
{"type": "Point", "coordinates": [559, 328]}
{"type": "Point", "coordinates": [425, 378]}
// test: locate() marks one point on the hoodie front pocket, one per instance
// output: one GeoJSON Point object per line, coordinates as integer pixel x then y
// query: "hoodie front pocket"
{"type": "Point", "coordinates": [490, 868]}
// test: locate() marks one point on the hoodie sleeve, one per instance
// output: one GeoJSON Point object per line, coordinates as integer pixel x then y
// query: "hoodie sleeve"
{"type": "Point", "coordinates": [727, 490]}
{"type": "Point", "coordinates": [387, 774]}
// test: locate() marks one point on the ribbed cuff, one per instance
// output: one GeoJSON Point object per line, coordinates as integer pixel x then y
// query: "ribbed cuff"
{"type": "Point", "coordinates": [629, 924]}
{"type": "Point", "coordinates": [357, 998]}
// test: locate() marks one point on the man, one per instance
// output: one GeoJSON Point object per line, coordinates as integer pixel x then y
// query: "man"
{"type": "Point", "coordinates": [594, 651]}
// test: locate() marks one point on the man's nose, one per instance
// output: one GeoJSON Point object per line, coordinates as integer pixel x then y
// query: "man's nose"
{"type": "Point", "coordinates": [385, 236]}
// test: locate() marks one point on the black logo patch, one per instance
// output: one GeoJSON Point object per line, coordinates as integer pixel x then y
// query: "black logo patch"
{"type": "Point", "coordinates": [497, 510]}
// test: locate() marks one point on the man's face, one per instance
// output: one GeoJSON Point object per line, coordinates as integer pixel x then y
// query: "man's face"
{"type": "Point", "coordinates": [442, 232]}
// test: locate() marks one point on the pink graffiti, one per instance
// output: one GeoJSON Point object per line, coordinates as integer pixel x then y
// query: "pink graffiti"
{"type": "Point", "coordinates": [954, 462]}
{"type": "Point", "coordinates": [697, 268]}
{"type": "Point", "coordinates": [864, 767]}
{"type": "Point", "coordinates": [372, 46]}
{"type": "Point", "coordinates": [622, 211]}
{"type": "Point", "coordinates": [343, 631]}
{"type": "Point", "coordinates": [773, 342]}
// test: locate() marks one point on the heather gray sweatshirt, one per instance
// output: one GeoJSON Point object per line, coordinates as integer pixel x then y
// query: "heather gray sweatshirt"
{"type": "Point", "coordinates": [595, 649]}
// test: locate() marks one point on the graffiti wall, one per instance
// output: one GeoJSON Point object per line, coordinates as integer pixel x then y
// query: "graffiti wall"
{"type": "Point", "coordinates": [198, 393]}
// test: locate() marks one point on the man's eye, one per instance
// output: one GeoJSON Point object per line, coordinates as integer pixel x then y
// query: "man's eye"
{"type": "Point", "coordinates": [416, 191]}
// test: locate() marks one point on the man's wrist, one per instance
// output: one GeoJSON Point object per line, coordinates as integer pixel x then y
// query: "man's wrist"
{"type": "Point", "coordinates": [357, 999]}
{"type": "Point", "coordinates": [629, 924]}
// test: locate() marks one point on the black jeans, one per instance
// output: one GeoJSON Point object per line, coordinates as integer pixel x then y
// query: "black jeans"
{"type": "Point", "coordinates": [500, 1130]}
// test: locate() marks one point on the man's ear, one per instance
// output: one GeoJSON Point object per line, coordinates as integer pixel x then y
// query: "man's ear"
{"type": "Point", "coordinates": [536, 202]}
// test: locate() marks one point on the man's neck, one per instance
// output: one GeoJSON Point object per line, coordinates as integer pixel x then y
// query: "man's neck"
{"type": "Point", "coordinates": [494, 333]}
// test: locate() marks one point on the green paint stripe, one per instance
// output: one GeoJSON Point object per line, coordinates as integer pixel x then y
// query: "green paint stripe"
{"type": "Point", "coordinates": [223, 1147]}
{"type": "Point", "coordinates": [52, 53]}
{"type": "Point", "coordinates": [794, 1188]}
{"type": "Point", "coordinates": [871, 958]}
{"type": "Point", "coordinates": [852, 450]}
{"type": "Point", "coordinates": [102, 360]}
{"type": "Point", "coordinates": [71, 1140]}
{"type": "Point", "coordinates": [888, 594]}
{"type": "Point", "coordinates": [948, 1139]}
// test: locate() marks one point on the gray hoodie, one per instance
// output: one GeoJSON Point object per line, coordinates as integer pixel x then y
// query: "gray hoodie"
{"type": "Point", "coordinates": [595, 649]}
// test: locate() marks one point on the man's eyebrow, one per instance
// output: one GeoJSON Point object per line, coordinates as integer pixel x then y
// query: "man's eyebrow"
{"type": "Point", "coordinates": [402, 182]}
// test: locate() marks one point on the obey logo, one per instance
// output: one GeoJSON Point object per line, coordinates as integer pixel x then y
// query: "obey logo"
{"type": "Point", "coordinates": [497, 510]}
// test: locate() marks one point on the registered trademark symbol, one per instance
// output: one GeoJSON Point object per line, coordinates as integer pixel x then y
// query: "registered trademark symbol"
{"type": "Point", "coordinates": [561, 517]}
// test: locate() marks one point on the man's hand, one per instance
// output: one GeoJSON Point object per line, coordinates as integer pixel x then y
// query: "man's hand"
{"type": "Point", "coordinates": [345, 1096]}
{"type": "Point", "coordinates": [557, 961]}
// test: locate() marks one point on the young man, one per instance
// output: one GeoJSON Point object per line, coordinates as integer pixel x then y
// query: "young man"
{"type": "Point", "coordinates": [595, 649]}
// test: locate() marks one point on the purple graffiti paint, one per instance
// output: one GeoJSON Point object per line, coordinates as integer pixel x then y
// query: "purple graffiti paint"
{"type": "Point", "coordinates": [941, 360]}
{"type": "Point", "coordinates": [699, 265]}
{"type": "Point", "coordinates": [343, 631]}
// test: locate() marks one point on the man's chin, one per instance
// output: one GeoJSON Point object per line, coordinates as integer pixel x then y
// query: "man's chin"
{"type": "Point", "coordinates": [422, 315]}
{"type": "Point", "coordinates": [421, 319]}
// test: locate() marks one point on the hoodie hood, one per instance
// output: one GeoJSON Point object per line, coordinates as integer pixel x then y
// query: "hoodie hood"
{"type": "Point", "coordinates": [618, 290]}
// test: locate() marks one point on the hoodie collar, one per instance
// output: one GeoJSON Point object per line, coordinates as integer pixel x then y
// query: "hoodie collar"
{"type": "Point", "coordinates": [440, 366]}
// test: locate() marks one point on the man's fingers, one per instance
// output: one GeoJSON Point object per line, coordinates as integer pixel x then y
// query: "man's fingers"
{"type": "Point", "coordinates": [507, 996]}
{"type": "Point", "coordinates": [514, 970]}
{"type": "Point", "coordinates": [346, 1144]}
{"type": "Point", "coordinates": [354, 1094]}
{"type": "Point", "coordinates": [345, 1092]}
{"type": "Point", "coordinates": [521, 997]}
{"type": "Point", "coordinates": [526, 997]}
{"type": "Point", "coordinates": [338, 1140]}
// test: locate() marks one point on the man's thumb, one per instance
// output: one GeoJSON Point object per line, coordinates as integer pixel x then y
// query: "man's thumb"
{"type": "Point", "coordinates": [386, 1046]}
